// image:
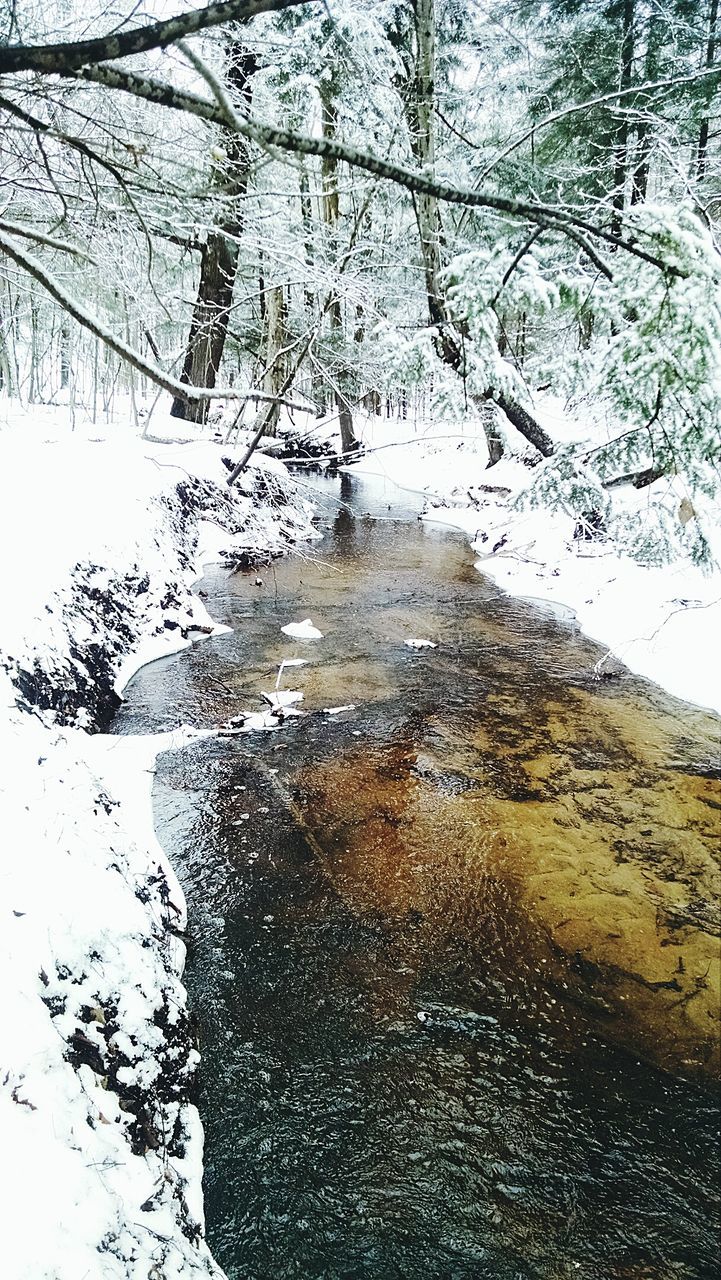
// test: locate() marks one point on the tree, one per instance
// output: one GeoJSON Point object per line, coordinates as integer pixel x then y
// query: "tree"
{"type": "Point", "coordinates": [420, 104]}
{"type": "Point", "coordinates": [219, 253]}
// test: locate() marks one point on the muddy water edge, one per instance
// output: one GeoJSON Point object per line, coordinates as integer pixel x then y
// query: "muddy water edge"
{"type": "Point", "coordinates": [454, 955]}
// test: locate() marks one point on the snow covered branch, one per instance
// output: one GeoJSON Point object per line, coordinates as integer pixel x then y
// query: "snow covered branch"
{"type": "Point", "coordinates": [267, 136]}
{"type": "Point", "coordinates": [65, 57]}
{"type": "Point", "coordinates": [51, 242]}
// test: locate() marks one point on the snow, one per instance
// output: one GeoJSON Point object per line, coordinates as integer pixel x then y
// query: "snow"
{"type": "Point", "coordinates": [283, 699]}
{"type": "Point", "coordinates": [421, 644]}
{"type": "Point", "coordinates": [104, 537]}
{"type": "Point", "coordinates": [302, 630]}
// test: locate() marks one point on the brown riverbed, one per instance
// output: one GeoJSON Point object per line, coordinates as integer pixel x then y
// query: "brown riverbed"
{"type": "Point", "coordinates": [497, 878]}
{"type": "Point", "coordinates": [593, 807]}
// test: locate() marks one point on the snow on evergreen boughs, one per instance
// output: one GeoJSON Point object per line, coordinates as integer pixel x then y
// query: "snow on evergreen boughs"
{"type": "Point", "coordinates": [660, 363]}
{"type": "Point", "coordinates": [476, 284]}
{"type": "Point", "coordinates": [654, 363]}
{"type": "Point", "coordinates": [658, 535]}
{"type": "Point", "coordinates": [411, 360]}
{"type": "Point", "coordinates": [564, 483]}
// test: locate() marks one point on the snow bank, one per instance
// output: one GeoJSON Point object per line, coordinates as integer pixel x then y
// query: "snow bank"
{"type": "Point", "coordinates": [662, 623]}
{"type": "Point", "coordinates": [101, 1145]}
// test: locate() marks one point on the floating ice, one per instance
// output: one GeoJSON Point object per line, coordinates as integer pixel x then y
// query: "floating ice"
{"type": "Point", "coordinates": [282, 699]}
{"type": "Point", "coordinates": [302, 630]}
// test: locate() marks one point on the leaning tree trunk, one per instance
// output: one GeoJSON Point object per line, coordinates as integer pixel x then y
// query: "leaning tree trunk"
{"type": "Point", "coordinates": [219, 260]}
{"type": "Point", "coordinates": [420, 104]}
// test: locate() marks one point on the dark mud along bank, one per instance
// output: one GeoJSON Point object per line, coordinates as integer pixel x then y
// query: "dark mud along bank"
{"type": "Point", "coordinates": [454, 954]}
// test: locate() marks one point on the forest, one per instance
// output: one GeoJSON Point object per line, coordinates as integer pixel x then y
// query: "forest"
{"type": "Point", "coordinates": [377, 207]}
{"type": "Point", "coordinates": [360, 498]}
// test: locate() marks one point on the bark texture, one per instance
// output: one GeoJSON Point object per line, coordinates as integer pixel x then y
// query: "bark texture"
{"type": "Point", "coordinates": [219, 258]}
{"type": "Point", "coordinates": [703, 136]}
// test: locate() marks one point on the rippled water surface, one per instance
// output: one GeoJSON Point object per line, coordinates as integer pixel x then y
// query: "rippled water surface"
{"type": "Point", "coordinates": [451, 953]}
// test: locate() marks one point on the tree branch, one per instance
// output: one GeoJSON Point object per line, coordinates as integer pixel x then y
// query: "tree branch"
{"type": "Point", "coordinates": [269, 136]}
{"type": "Point", "coordinates": [600, 101]}
{"type": "Point", "coordinates": [28, 233]}
{"type": "Point", "coordinates": [66, 57]}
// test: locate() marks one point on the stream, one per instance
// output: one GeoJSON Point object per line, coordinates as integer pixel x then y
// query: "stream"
{"type": "Point", "coordinates": [453, 954]}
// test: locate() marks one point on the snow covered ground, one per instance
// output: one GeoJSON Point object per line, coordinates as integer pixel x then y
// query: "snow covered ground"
{"type": "Point", "coordinates": [103, 539]}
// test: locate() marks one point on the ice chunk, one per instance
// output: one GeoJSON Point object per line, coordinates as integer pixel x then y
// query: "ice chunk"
{"type": "Point", "coordinates": [302, 630]}
{"type": "Point", "coordinates": [281, 699]}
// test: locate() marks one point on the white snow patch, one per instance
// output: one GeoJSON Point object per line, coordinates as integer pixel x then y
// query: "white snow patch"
{"type": "Point", "coordinates": [282, 699]}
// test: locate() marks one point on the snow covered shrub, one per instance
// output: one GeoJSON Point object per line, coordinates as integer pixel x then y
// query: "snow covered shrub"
{"type": "Point", "coordinates": [479, 284]}
{"type": "Point", "coordinates": [564, 483]}
{"type": "Point", "coordinates": [658, 534]}
{"type": "Point", "coordinates": [653, 361]}
{"type": "Point", "coordinates": [477, 280]}
{"type": "Point", "coordinates": [656, 364]}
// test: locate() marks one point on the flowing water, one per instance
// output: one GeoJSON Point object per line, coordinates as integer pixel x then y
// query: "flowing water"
{"type": "Point", "coordinates": [454, 954]}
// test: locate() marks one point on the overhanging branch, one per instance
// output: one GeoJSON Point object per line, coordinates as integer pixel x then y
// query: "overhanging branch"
{"type": "Point", "coordinates": [272, 137]}
{"type": "Point", "coordinates": [66, 57]}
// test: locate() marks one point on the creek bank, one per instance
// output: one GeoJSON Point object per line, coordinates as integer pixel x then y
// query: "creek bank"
{"type": "Point", "coordinates": [102, 1145]}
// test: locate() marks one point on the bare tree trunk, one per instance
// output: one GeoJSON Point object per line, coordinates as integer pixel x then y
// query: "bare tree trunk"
{"type": "Point", "coordinates": [64, 354]}
{"type": "Point", "coordinates": [702, 151]}
{"type": "Point", "coordinates": [318, 388]}
{"type": "Point", "coordinates": [261, 285]}
{"type": "Point", "coordinates": [651, 71]}
{"type": "Point", "coordinates": [330, 203]}
{"type": "Point", "coordinates": [275, 365]}
{"type": "Point", "coordinates": [34, 355]}
{"type": "Point", "coordinates": [219, 260]}
{"type": "Point", "coordinates": [8, 363]}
